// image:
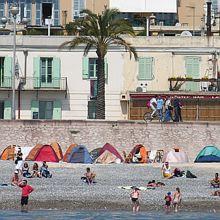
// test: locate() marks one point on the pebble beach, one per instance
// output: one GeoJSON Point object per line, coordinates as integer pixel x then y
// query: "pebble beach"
{"type": "Point", "coordinates": [66, 191]}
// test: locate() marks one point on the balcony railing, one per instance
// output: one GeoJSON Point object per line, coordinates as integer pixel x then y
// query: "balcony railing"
{"type": "Point", "coordinates": [189, 84]}
{"type": "Point", "coordinates": [34, 83]}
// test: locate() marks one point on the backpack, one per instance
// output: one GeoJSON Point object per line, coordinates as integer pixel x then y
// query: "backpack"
{"type": "Point", "coordinates": [190, 175]}
{"type": "Point", "coordinates": [148, 103]}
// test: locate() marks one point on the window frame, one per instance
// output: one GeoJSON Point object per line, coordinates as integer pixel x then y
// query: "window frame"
{"type": "Point", "coordinates": [46, 111]}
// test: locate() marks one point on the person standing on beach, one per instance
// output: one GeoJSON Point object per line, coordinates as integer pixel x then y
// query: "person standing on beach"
{"type": "Point", "coordinates": [26, 190]}
{"type": "Point", "coordinates": [177, 197]}
{"type": "Point", "coordinates": [19, 160]}
{"type": "Point", "coordinates": [135, 199]}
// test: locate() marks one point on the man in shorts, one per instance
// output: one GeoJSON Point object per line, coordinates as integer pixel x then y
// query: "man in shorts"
{"type": "Point", "coordinates": [135, 199]}
{"type": "Point", "coordinates": [26, 190]}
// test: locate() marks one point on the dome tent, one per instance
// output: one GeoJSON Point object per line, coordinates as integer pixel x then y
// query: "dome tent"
{"type": "Point", "coordinates": [208, 154]}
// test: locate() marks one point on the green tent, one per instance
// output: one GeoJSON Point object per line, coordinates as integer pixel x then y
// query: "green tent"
{"type": "Point", "coordinates": [208, 154]}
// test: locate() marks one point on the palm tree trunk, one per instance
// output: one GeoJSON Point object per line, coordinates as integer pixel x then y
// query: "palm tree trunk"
{"type": "Point", "coordinates": [100, 103]}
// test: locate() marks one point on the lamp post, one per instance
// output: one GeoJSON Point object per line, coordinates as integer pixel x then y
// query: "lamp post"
{"type": "Point", "coordinates": [14, 11]}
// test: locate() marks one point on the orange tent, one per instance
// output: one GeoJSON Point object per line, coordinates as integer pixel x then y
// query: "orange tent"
{"type": "Point", "coordinates": [33, 152]}
{"type": "Point", "coordinates": [68, 152]}
{"type": "Point", "coordinates": [58, 150]}
{"type": "Point", "coordinates": [143, 152]}
{"type": "Point", "coordinates": [8, 153]}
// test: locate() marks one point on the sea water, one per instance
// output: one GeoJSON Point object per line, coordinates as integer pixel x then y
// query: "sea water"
{"type": "Point", "coordinates": [62, 215]}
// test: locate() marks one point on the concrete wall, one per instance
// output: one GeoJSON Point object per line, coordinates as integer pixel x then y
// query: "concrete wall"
{"type": "Point", "coordinates": [191, 137]}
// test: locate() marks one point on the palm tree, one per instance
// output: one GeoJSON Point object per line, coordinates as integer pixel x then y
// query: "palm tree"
{"type": "Point", "coordinates": [100, 32]}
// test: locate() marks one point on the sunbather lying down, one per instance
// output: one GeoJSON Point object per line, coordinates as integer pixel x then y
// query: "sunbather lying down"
{"type": "Point", "coordinates": [216, 193]}
{"type": "Point", "coordinates": [153, 183]}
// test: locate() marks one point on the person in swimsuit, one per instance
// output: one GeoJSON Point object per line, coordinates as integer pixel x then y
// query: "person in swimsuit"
{"type": "Point", "coordinates": [215, 183]}
{"type": "Point", "coordinates": [177, 197]}
{"type": "Point", "coordinates": [89, 176]}
{"type": "Point", "coordinates": [35, 171]}
{"type": "Point", "coordinates": [15, 179]}
{"type": "Point", "coordinates": [135, 199]}
{"type": "Point", "coordinates": [166, 171]}
{"type": "Point", "coordinates": [168, 200]}
{"type": "Point", "coordinates": [25, 170]}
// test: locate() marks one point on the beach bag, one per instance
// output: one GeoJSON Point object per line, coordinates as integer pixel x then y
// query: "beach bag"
{"type": "Point", "coordinates": [190, 175]}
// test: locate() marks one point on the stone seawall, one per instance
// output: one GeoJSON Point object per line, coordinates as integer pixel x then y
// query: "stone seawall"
{"type": "Point", "coordinates": [191, 137]}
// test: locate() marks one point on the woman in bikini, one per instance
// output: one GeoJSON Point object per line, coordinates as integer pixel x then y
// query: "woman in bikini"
{"type": "Point", "coordinates": [177, 197]}
{"type": "Point", "coordinates": [135, 199]}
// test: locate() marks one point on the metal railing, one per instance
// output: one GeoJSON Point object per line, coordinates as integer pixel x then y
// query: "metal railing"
{"type": "Point", "coordinates": [36, 83]}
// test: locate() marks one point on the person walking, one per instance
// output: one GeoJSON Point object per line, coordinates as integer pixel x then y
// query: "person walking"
{"type": "Point", "coordinates": [177, 109]}
{"type": "Point", "coordinates": [135, 199]}
{"type": "Point", "coordinates": [160, 103]}
{"type": "Point", "coordinates": [26, 190]}
{"type": "Point", "coordinates": [168, 109]}
{"type": "Point", "coordinates": [177, 197]}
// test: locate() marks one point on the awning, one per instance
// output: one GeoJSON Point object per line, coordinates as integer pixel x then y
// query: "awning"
{"type": "Point", "coordinates": [180, 95]}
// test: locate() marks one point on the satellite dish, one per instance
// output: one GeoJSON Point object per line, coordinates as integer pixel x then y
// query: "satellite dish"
{"type": "Point", "coordinates": [186, 34]}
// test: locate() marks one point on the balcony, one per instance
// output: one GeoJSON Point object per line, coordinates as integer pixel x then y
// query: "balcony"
{"type": "Point", "coordinates": [33, 83]}
{"type": "Point", "coordinates": [194, 85]}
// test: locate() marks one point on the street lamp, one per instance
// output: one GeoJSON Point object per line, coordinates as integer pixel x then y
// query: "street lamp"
{"type": "Point", "coordinates": [14, 11]}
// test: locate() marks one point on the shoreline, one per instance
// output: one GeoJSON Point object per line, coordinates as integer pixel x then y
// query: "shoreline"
{"type": "Point", "coordinates": [96, 206]}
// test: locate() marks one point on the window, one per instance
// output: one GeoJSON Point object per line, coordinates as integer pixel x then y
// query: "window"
{"type": "Point", "coordinates": [46, 70]}
{"type": "Point", "coordinates": [145, 68]}
{"type": "Point", "coordinates": [93, 89]}
{"type": "Point", "coordinates": [2, 9]}
{"type": "Point", "coordinates": [45, 110]}
{"type": "Point", "coordinates": [1, 71]}
{"type": "Point", "coordinates": [78, 6]}
{"type": "Point", "coordinates": [93, 67]}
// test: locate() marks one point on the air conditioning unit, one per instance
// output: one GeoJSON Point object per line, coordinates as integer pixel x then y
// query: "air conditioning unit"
{"type": "Point", "coordinates": [142, 87]}
{"type": "Point", "coordinates": [124, 97]}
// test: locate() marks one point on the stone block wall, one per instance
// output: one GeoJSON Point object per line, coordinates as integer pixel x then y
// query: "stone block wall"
{"type": "Point", "coordinates": [124, 135]}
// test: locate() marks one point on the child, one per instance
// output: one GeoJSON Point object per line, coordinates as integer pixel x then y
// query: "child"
{"type": "Point", "coordinates": [26, 190]}
{"type": "Point", "coordinates": [89, 176]}
{"type": "Point", "coordinates": [44, 171]}
{"type": "Point", "coordinates": [135, 199]}
{"type": "Point", "coordinates": [15, 179]}
{"type": "Point", "coordinates": [25, 170]}
{"type": "Point", "coordinates": [36, 172]}
{"type": "Point", "coordinates": [168, 200]}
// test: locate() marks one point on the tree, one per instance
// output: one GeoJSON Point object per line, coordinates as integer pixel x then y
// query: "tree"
{"type": "Point", "coordinates": [100, 32]}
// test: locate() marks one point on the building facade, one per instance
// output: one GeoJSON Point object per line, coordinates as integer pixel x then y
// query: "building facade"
{"type": "Point", "coordinates": [61, 84]}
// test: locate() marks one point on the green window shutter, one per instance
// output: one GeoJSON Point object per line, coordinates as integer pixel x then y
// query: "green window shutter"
{"type": "Point", "coordinates": [7, 109]}
{"type": "Point", "coordinates": [7, 72]}
{"type": "Point", "coordinates": [56, 72]}
{"type": "Point", "coordinates": [85, 68]}
{"type": "Point", "coordinates": [57, 110]}
{"type": "Point", "coordinates": [36, 72]}
{"type": "Point", "coordinates": [192, 70]}
{"type": "Point", "coordinates": [145, 68]}
{"type": "Point", "coordinates": [35, 109]}
{"type": "Point", "coordinates": [106, 70]}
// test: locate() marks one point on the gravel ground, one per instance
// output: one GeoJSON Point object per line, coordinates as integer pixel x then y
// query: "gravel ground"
{"type": "Point", "coordinates": [67, 192]}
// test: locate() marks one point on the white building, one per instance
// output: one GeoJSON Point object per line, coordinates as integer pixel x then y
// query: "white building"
{"type": "Point", "coordinates": [61, 84]}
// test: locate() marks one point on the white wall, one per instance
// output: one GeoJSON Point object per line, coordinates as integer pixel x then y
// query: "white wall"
{"type": "Point", "coordinates": [166, 6]}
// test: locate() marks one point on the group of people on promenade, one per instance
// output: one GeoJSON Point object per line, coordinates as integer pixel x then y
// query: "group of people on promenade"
{"type": "Point", "coordinates": [164, 108]}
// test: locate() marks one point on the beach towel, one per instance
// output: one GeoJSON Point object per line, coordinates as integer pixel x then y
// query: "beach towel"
{"type": "Point", "coordinates": [190, 175]}
{"type": "Point", "coordinates": [142, 188]}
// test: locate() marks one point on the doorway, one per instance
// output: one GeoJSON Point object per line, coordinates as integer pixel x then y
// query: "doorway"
{"type": "Point", "coordinates": [47, 9]}
{"type": "Point", "coordinates": [1, 109]}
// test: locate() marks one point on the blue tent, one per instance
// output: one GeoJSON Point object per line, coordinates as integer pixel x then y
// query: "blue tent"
{"type": "Point", "coordinates": [208, 154]}
{"type": "Point", "coordinates": [79, 154]}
